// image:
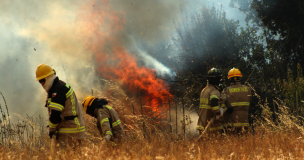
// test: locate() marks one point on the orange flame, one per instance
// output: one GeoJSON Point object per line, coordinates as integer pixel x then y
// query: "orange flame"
{"type": "Point", "coordinates": [100, 28]}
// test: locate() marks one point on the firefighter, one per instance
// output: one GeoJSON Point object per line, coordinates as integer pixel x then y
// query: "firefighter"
{"type": "Point", "coordinates": [225, 102]}
{"type": "Point", "coordinates": [226, 119]}
{"type": "Point", "coordinates": [210, 100]}
{"type": "Point", "coordinates": [108, 122]}
{"type": "Point", "coordinates": [240, 96]}
{"type": "Point", "coordinates": [65, 114]}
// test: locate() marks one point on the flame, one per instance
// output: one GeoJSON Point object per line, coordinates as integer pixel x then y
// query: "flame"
{"type": "Point", "coordinates": [100, 27]}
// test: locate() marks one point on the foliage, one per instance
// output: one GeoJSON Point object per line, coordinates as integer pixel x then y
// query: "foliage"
{"type": "Point", "coordinates": [283, 29]}
{"type": "Point", "coordinates": [261, 51]}
{"type": "Point", "coordinates": [293, 91]}
{"type": "Point", "coordinates": [251, 15]}
{"type": "Point", "coordinates": [209, 39]}
{"type": "Point", "coordinates": [4, 121]}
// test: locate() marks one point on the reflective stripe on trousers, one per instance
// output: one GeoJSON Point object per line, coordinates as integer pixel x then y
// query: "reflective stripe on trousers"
{"type": "Point", "coordinates": [210, 128]}
{"type": "Point", "coordinates": [240, 104]}
{"type": "Point", "coordinates": [109, 132]}
{"type": "Point", "coordinates": [215, 128]}
{"type": "Point", "coordinates": [240, 124]}
{"type": "Point", "coordinates": [200, 127]}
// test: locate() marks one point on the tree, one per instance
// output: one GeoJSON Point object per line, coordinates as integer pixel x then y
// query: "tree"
{"type": "Point", "coordinates": [284, 23]}
{"type": "Point", "coordinates": [208, 40]}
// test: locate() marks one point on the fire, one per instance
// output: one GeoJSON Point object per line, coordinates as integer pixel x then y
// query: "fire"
{"type": "Point", "coordinates": [101, 28]}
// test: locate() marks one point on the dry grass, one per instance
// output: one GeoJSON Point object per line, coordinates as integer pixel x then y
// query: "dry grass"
{"type": "Point", "coordinates": [270, 140]}
{"type": "Point", "coordinates": [262, 145]}
{"type": "Point", "coordinates": [280, 139]}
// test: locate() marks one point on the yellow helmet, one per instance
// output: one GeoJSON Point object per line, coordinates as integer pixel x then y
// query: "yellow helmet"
{"type": "Point", "coordinates": [234, 72]}
{"type": "Point", "coordinates": [87, 102]}
{"type": "Point", "coordinates": [43, 71]}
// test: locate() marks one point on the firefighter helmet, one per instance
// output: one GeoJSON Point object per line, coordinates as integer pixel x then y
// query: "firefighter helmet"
{"type": "Point", "coordinates": [234, 72]}
{"type": "Point", "coordinates": [87, 102]}
{"type": "Point", "coordinates": [44, 71]}
{"type": "Point", "coordinates": [214, 72]}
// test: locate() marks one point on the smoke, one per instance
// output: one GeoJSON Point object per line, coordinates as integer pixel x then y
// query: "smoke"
{"type": "Point", "coordinates": [149, 21]}
{"type": "Point", "coordinates": [34, 32]}
{"type": "Point", "coordinates": [149, 24]}
{"type": "Point", "coordinates": [15, 82]}
{"type": "Point", "coordinates": [154, 63]}
{"type": "Point", "coordinates": [177, 120]}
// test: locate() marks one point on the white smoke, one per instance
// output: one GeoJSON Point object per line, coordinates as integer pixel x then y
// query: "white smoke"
{"type": "Point", "coordinates": [34, 32]}
{"type": "Point", "coordinates": [154, 63]}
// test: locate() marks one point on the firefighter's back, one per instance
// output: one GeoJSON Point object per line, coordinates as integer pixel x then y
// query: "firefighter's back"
{"type": "Point", "coordinates": [206, 111]}
{"type": "Point", "coordinates": [116, 127]}
{"type": "Point", "coordinates": [240, 96]}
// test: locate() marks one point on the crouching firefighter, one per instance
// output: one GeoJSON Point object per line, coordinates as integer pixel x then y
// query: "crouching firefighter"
{"type": "Point", "coordinates": [65, 114]}
{"type": "Point", "coordinates": [108, 122]}
{"type": "Point", "coordinates": [210, 100]}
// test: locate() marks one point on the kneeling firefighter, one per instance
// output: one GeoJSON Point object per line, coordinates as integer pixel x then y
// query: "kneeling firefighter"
{"type": "Point", "coordinates": [65, 114]}
{"type": "Point", "coordinates": [108, 122]}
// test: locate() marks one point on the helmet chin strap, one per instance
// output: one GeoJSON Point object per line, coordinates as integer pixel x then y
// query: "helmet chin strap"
{"type": "Point", "coordinates": [49, 82]}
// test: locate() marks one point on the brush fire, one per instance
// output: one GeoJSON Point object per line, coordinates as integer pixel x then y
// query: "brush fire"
{"type": "Point", "coordinates": [100, 31]}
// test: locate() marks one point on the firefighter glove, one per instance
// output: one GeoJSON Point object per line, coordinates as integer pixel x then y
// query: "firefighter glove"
{"type": "Point", "coordinates": [218, 115]}
{"type": "Point", "coordinates": [107, 137]}
{"type": "Point", "coordinates": [230, 110]}
{"type": "Point", "coordinates": [221, 111]}
{"type": "Point", "coordinates": [51, 134]}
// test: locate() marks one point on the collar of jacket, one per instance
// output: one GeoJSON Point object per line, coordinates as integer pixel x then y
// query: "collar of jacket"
{"type": "Point", "coordinates": [216, 87]}
{"type": "Point", "coordinates": [96, 104]}
{"type": "Point", "coordinates": [235, 83]}
{"type": "Point", "coordinates": [56, 80]}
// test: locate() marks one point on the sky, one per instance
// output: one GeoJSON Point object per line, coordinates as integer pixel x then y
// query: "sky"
{"type": "Point", "coordinates": [56, 32]}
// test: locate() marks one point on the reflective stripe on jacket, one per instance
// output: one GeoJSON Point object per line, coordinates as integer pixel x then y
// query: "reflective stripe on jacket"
{"type": "Point", "coordinates": [108, 122]}
{"type": "Point", "coordinates": [226, 102]}
{"type": "Point", "coordinates": [240, 96]}
{"type": "Point", "coordinates": [61, 97]}
{"type": "Point", "coordinates": [206, 111]}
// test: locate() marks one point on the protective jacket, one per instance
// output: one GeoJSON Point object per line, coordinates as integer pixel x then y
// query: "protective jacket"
{"type": "Point", "coordinates": [209, 106]}
{"type": "Point", "coordinates": [65, 111]}
{"type": "Point", "coordinates": [240, 96]}
{"type": "Point", "coordinates": [108, 121]}
{"type": "Point", "coordinates": [226, 102]}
